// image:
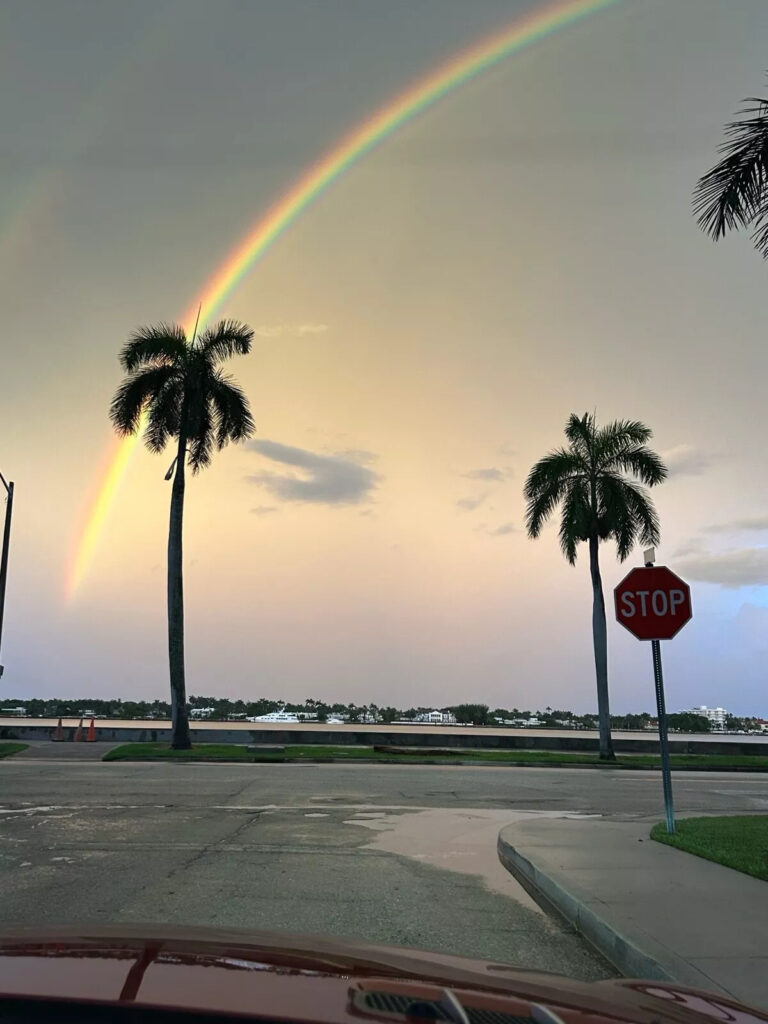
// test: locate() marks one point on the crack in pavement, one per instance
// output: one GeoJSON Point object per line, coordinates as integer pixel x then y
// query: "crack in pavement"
{"type": "Point", "coordinates": [210, 847]}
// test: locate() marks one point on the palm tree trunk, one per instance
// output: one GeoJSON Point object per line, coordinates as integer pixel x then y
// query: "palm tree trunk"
{"type": "Point", "coordinates": [180, 739]}
{"type": "Point", "coordinates": [600, 642]}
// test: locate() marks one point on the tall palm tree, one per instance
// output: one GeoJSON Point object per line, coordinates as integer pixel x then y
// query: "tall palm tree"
{"type": "Point", "coordinates": [592, 480]}
{"type": "Point", "coordinates": [178, 386]}
{"type": "Point", "coordinates": [734, 193]}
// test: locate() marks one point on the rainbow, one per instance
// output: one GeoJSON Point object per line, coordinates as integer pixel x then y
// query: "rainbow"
{"type": "Point", "coordinates": [523, 32]}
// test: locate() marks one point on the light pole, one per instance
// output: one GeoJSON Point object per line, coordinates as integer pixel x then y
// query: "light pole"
{"type": "Point", "coordinates": [4, 556]}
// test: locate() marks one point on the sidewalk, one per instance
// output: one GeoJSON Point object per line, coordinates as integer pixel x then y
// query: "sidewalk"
{"type": "Point", "coordinates": [653, 911]}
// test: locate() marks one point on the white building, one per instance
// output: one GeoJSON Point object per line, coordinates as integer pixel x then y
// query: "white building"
{"type": "Point", "coordinates": [715, 716]}
{"type": "Point", "coordinates": [201, 712]}
{"type": "Point", "coordinates": [436, 718]}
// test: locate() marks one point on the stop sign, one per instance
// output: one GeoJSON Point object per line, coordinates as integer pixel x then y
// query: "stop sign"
{"type": "Point", "coordinates": [653, 603]}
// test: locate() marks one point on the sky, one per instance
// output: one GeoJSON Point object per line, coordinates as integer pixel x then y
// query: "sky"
{"type": "Point", "coordinates": [522, 250]}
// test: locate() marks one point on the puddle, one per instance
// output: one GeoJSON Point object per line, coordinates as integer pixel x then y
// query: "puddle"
{"type": "Point", "coordinates": [462, 840]}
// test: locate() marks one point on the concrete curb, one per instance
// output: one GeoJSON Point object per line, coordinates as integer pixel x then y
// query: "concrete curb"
{"type": "Point", "coordinates": [628, 958]}
{"type": "Point", "coordinates": [445, 763]}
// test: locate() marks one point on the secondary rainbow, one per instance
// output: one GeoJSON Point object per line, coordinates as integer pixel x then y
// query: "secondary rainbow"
{"type": "Point", "coordinates": [524, 31]}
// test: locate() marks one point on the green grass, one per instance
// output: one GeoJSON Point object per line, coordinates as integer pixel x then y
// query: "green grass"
{"type": "Point", "coordinates": [8, 749]}
{"type": "Point", "coordinates": [315, 752]}
{"type": "Point", "coordinates": [200, 752]}
{"type": "Point", "coordinates": [739, 842]}
{"type": "Point", "coordinates": [700, 760]}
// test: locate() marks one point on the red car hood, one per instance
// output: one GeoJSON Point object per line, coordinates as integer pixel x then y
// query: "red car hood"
{"type": "Point", "coordinates": [324, 981]}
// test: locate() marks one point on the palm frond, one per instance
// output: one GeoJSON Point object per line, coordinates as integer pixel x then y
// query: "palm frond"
{"type": "Point", "coordinates": [644, 513]}
{"type": "Point", "coordinates": [639, 460]}
{"type": "Point", "coordinates": [619, 434]}
{"type": "Point", "coordinates": [164, 417]}
{"type": "Point", "coordinates": [548, 483]}
{"type": "Point", "coordinates": [616, 518]}
{"type": "Point", "coordinates": [135, 391]}
{"type": "Point", "coordinates": [575, 520]}
{"type": "Point", "coordinates": [224, 340]}
{"type": "Point", "coordinates": [541, 506]}
{"type": "Point", "coordinates": [201, 435]}
{"type": "Point", "coordinates": [627, 514]}
{"type": "Point", "coordinates": [733, 192]}
{"type": "Point", "coordinates": [231, 410]}
{"type": "Point", "coordinates": [561, 463]}
{"type": "Point", "coordinates": [162, 344]}
{"type": "Point", "coordinates": [580, 431]}
{"type": "Point", "coordinates": [759, 233]}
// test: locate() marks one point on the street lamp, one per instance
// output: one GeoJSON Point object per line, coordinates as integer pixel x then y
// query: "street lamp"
{"type": "Point", "coordinates": [6, 545]}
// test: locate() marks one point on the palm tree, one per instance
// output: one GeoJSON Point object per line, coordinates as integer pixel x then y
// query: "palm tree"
{"type": "Point", "coordinates": [591, 479]}
{"type": "Point", "coordinates": [179, 388]}
{"type": "Point", "coordinates": [734, 194]}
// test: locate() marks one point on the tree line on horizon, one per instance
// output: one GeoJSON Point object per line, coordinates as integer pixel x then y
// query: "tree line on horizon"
{"type": "Point", "coordinates": [466, 714]}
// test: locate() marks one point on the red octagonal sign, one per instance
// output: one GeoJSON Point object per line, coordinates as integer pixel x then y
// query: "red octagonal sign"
{"type": "Point", "coordinates": [653, 603]}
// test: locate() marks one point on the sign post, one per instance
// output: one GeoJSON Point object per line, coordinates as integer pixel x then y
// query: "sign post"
{"type": "Point", "coordinates": [654, 604]}
{"type": "Point", "coordinates": [661, 712]}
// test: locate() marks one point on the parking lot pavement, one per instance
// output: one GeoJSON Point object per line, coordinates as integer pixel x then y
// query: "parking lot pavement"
{"type": "Point", "coordinates": [197, 844]}
{"type": "Point", "coordinates": [616, 794]}
{"type": "Point", "coordinates": [45, 750]}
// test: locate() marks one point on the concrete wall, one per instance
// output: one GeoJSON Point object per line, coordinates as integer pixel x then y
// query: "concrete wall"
{"type": "Point", "coordinates": [402, 736]}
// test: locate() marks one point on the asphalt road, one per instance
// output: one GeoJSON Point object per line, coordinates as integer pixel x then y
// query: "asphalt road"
{"type": "Point", "coordinates": [397, 854]}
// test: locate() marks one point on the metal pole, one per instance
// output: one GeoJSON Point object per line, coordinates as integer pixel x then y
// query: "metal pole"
{"type": "Point", "coordinates": [666, 777]}
{"type": "Point", "coordinates": [4, 555]}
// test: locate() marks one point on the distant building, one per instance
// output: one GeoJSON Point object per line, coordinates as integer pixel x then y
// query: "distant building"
{"type": "Point", "coordinates": [200, 712]}
{"type": "Point", "coordinates": [436, 718]}
{"type": "Point", "coordinates": [715, 716]}
{"type": "Point", "coordinates": [14, 712]}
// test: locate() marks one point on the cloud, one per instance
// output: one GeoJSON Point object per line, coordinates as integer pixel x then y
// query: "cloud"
{"type": "Point", "coordinates": [750, 524]}
{"type": "Point", "coordinates": [742, 567]}
{"type": "Point", "coordinates": [686, 460]}
{"type": "Point", "coordinates": [503, 530]}
{"type": "Point", "coordinates": [264, 510]}
{"type": "Point", "coordinates": [292, 330]}
{"type": "Point", "coordinates": [691, 547]}
{"type": "Point", "coordinates": [489, 473]}
{"type": "Point", "coordinates": [470, 504]}
{"type": "Point", "coordinates": [327, 479]}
